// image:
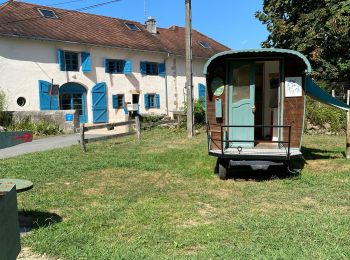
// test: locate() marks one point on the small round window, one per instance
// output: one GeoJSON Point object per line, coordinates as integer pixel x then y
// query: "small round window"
{"type": "Point", "coordinates": [21, 101]}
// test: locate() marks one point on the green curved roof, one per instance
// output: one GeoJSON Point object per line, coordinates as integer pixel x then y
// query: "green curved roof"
{"type": "Point", "coordinates": [257, 51]}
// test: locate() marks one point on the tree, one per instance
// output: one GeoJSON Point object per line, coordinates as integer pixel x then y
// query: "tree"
{"type": "Point", "coordinates": [318, 29]}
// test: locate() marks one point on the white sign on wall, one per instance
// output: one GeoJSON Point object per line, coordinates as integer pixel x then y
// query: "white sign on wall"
{"type": "Point", "coordinates": [293, 87]}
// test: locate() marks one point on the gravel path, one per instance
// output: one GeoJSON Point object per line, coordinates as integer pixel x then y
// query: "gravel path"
{"type": "Point", "coordinates": [27, 254]}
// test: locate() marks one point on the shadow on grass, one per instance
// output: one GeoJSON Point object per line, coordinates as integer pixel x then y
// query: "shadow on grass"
{"type": "Point", "coordinates": [29, 220]}
{"type": "Point", "coordinates": [315, 154]}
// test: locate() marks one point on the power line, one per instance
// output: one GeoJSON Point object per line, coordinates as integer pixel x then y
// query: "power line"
{"type": "Point", "coordinates": [51, 5]}
{"type": "Point", "coordinates": [96, 5]}
{"type": "Point", "coordinates": [60, 13]}
{"type": "Point", "coordinates": [67, 2]}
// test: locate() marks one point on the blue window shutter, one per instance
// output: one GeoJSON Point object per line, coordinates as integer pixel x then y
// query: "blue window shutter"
{"type": "Point", "coordinates": [127, 67]}
{"type": "Point", "coordinates": [161, 69]}
{"type": "Point", "coordinates": [106, 65]}
{"type": "Point", "coordinates": [146, 101]}
{"type": "Point", "coordinates": [47, 102]}
{"type": "Point", "coordinates": [143, 68]}
{"type": "Point", "coordinates": [61, 60]}
{"type": "Point", "coordinates": [86, 61]}
{"type": "Point", "coordinates": [125, 107]}
{"type": "Point", "coordinates": [157, 101]}
{"type": "Point", "coordinates": [115, 101]}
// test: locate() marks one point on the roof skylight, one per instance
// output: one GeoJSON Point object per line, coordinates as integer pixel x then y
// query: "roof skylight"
{"type": "Point", "coordinates": [205, 45]}
{"type": "Point", "coordinates": [132, 27]}
{"type": "Point", "coordinates": [48, 13]}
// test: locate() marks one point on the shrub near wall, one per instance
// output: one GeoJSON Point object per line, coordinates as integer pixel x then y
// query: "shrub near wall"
{"type": "Point", "coordinates": [40, 128]}
{"type": "Point", "coordinates": [4, 119]}
{"type": "Point", "coordinates": [2, 101]}
{"type": "Point", "coordinates": [322, 118]}
{"type": "Point", "coordinates": [198, 112]}
{"type": "Point", "coordinates": [40, 122]}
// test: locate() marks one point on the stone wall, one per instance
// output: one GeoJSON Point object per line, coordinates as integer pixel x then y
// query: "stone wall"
{"type": "Point", "coordinates": [59, 117]}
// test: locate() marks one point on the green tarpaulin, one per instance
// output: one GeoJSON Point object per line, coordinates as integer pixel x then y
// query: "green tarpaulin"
{"type": "Point", "coordinates": [8, 139]}
{"type": "Point", "coordinates": [314, 91]}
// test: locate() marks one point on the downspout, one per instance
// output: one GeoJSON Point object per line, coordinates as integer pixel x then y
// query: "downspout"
{"type": "Point", "coordinates": [166, 86]}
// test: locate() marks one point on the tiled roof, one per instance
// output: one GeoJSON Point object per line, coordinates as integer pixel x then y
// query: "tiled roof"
{"type": "Point", "coordinates": [23, 20]}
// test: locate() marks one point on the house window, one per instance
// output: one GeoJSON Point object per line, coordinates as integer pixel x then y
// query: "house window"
{"type": "Point", "coordinates": [205, 45]}
{"type": "Point", "coordinates": [152, 101]}
{"type": "Point", "coordinates": [132, 27]}
{"type": "Point", "coordinates": [48, 13]}
{"type": "Point", "coordinates": [71, 61]}
{"type": "Point", "coordinates": [151, 68]}
{"type": "Point", "coordinates": [115, 66]}
{"type": "Point", "coordinates": [21, 101]}
{"type": "Point", "coordinates": [118, 101]}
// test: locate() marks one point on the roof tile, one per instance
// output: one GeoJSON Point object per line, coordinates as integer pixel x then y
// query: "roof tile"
{"type": "Point", "coordinates": [23, 20]}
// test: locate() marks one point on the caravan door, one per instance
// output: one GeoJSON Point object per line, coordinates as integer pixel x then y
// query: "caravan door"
{"type": "Point", "coordinates": [241, 104]}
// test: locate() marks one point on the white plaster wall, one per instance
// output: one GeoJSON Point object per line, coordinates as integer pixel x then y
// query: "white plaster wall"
{"type": "Point", "coordinates": [198, 77]}
{"type": "Point", "coordinates": [24, 62]}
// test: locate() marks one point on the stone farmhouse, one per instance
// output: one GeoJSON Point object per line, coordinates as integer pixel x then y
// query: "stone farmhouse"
{"type": "Point", "coordinates": [103, 67]}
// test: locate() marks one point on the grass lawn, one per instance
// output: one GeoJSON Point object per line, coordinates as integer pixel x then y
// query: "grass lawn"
{"type": "Point", "coordinates": [158, 198]}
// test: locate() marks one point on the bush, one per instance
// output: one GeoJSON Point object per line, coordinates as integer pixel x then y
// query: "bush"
{"type": "Point", "coordinates": [320, 114]}
{"type": "Point", "coordinates": [198, 111]}
{"type": "Point", "coordinates": [2, 100]}
{"type": "Point", "coordinates": [40, 128]}
{"type": "Point", "coordinates": [4, 120]}
{"type": "Point", "coordinates": [151, 118]}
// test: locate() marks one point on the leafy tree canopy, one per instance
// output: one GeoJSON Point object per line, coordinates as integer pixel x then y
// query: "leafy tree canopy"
{"type": "Point", "coordinates": [320, 29]}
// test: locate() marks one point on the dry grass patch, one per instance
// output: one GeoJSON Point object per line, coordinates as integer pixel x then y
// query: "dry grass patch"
{"type": "Point", "coordinates": [326, 166]}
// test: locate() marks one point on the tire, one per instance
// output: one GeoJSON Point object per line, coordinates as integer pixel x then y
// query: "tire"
{"type": "Point", "coordinates": [216, 168]}
{"type": "Point", "coordinates": [223, 165]}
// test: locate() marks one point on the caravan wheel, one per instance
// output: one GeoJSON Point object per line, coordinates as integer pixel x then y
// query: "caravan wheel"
{"type": "Point", "coordinates": [223, 165]}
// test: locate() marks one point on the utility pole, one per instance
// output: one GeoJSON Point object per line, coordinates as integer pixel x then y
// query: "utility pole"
{"type": "Point", "coordinates": [189, 76]}
{"type": "Point", "coordinates": [347, 151]}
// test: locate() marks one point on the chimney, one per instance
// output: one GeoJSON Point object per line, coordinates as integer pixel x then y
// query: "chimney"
{"type": "Point", "coordinates": [151, 25]}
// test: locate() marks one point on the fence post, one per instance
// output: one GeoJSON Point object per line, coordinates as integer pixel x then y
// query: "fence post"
{"type": "Point", "coordinates": [82, 138]}
{"type": "Point", "coordinates": [347, 151]}
{"type": "Point", "coordinates": [137, 127]}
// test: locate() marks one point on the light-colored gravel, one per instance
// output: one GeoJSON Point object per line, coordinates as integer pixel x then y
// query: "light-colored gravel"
{"type": "Point", "coordinates": [27, 254]}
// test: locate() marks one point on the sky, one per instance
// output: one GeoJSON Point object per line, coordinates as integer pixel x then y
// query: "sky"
{"type": "Point", "coordinates": [230, 22]}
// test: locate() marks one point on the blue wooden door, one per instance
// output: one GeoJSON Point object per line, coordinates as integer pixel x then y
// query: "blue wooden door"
{"type": "Point", "coordinates": [47, 102]}
{"type": "Point", "coordinates": [99, 103]}
{"type": "Point", "coordinates": [201, 94]}
{"type": "Point", "coordinates": [241, 104]}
